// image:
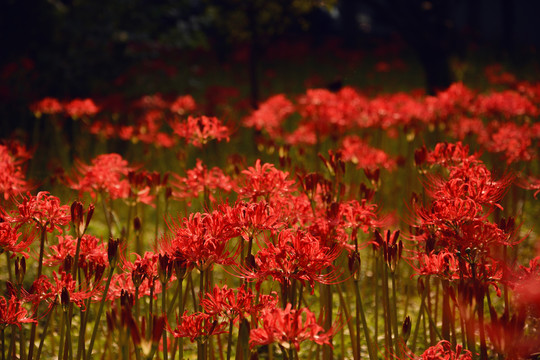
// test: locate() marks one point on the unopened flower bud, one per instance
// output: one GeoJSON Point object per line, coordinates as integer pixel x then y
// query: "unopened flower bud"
{"type": "Point", "coordinates": [64, 299]}
{"type": "Point", "coordinates": [137, 224]}
{"type": "Point", "coordinates": [68, 264]}
{"type": "Point", "coordinates": [112, 251]}
{"type": "Point", "coordinates": [20, 269]}
{"type": "Point", "coordinates": [354, 264]}
{"type": "Point", "coordinates": [164, 268]}
{"type": "Point", "coordinates": [157, 329]}
{"type": "Point", "coordinates": [406, 328]}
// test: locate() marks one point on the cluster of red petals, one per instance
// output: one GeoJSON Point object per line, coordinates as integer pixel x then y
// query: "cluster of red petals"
{"type": "Point", "coordinates": [264, 181]}
{"type": "Point", "coordinates": [249, 219]}
{"type": "Point", "coordinates": [12, 178]}
{"type": "Point", "coordinates": [357, 151]}
{"type": "Point", "coordinates": [200, 179]}
{"type": "Point", "coordinates": [443, 350]}
{"type": "Point", "coordinates": [200, 240]}
{"type": "Point", "coordinates": [105, 175]}
{"type": "Point", "coordinates": [75, 108]}
{"type": "Point", "coordinates": [45, 289]}
{"type": "Point", "coordinates": [456, 221]}
{"type": "Point", "coordinates": [92, 254]}
{"type": "Point", "coordinates": [288, 327]}
{"type": "Point", "coordinates": [198, 325]}
{"type": "Point", "coordinates": [199, 130]}
{"type": "Point", "coordinates": [270, 115]}
{"type": "Point", "coordinates": [13, 313]}
{"type": "Point", "coordinates": [9, 239]}
{"type": "Point", "coordinates": [296, 254]}
{"type": "Point", "coordinates": [43, 210]}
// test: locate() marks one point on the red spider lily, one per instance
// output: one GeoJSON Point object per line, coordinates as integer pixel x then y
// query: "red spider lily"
{"type": "Point", "coordinates": [445, 154]}
{"type": "Point", "coordinates": [44, 210]}
{"type": "Point", "coordinates": [249, 218]}
{"type": "Point", "coordinates": [270, 115]}
{"type": "Point", "coordinates": [126, 282]}
{"type": "Point", "coordinates": [296, 255]}
{"type": "Point", "coordinates": [45, 289]}
{"type": "Point", "coordinates": [228, 303]}
{"type": "Point", "coordinates": [443, 264]}
{"type": "Point", "coordinates": [530, 183]}
{"type": "Point", "coordinates": [360, 215]}
{"type": "Point", "coordinates": [143, 268]}
{"type": "Point", "coordinates": [510, 139]}
{"type": "Point", "coordinates": [444, 351]}
{"type": "Point", "coordinates": [200, 241]}
{"type": "Point", "coordinates": [287, 327]}
{"type": "Point", "coordinates": [200, 179]}
{"type": "Point", "coordinates": [505, 104]}
{"type": "Point", "coordinates": [12, 313]}
{"type": "Point", "coordinates": [264, 181]}
{"type": "Point", "coordinates": [92, 255]}
{"type": "Point", "coordinates": [78, 108]}
{"type": "Point", "coordinates": [183, 104]}
{"type": "Point", "coordinates": [322, 110]}
{"type": "Point", "coordinates": [464, 126]}
{"type": "Point", "coordinates": [47, 105]}
{"type": "Point", "coordinates": [364, 156]}
{"type": "Point", "coordinates": [199, 130]}
{"type": "Point", "coordinates": [12, 178]}
{"type": "Point", "coordinates": [198, 326]}
{"type": "Point", "coordinates": [106, 174]}
{"type": "Point", "coordinates": [9, 239]}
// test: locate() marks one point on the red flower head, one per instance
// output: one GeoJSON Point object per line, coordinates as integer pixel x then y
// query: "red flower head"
{"type": "Point", "coordinates": [44, 210]}
{"type": "Point", "coordinates": [296, 255]}
{"type": "Point", "coordinates": [107, 174]}
{"type": "Point", "coordinates": [12, 313]}
{"type": "Point", "coordinates": [265, 181]}
{"type": "Point", "coordinates": [200, 241]}
{"type": "Point", "coordinates": [288, 327]}
{"type": "Point", "coordinates": [199, 130]}
{"type": "Point", "coordinates": [78, 108]}
{"type": "Point", "coordinates": [12, 178]}
{"type": "Point", "coordinates": [198, 325]}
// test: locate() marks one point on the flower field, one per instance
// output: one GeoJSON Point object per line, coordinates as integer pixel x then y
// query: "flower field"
{"type": "Point", "coordinates": [323, 225]}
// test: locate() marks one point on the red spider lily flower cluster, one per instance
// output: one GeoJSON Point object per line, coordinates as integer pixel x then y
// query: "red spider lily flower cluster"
{"type": "Point", "coordinates": [12, 178]}
{"type": "Point", "coordinates": [107, 174]}
{"type": "Point", "coordinates": [13, 313]}
{"type": "Point", "coordinates": [197, 131]}
{"type": "Point", "coordinates": [444, 350]}
{"type": "Point", "coordinates": [270, 115]}
{"type": "Point", "coordinates": [358, 152]}
{"type": "Point", "coordinates": [10, 239]}
{"type": "Point", "coordinates": [264, 181]}
{"type": "Point", "coordinates": [287, 327]}
{"type": "Point", "coordinates": [295, 255]}
{"type": "Point", "coordinates": [456, 220]}
{"type": "Point", "coordinates": [92, 255]}
{"type": "Point", "coordinates": [76, 108]}
{"type": "Point", "coordinates": [200, 240]}
{"type": "Point", "coordinates": [43, 210]}
{"type": "Point", "coordinates": [201, 179]}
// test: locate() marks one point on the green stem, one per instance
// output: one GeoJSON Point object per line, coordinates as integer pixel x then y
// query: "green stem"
{"type": "Point", "coordinates": [229, 339]}
{"type": "Point", "coordinates": [68, 348]}
{"type": "Point", "coordinates": [164, 308]}
{"type": "Point", "coordinates": [394, 314]}
{"type": "Point", "coordinates": [43, 237]}
{"type": "Point", "coordinates": [100, 311]}
{"type": "Point", "coordinates": [360, 309]}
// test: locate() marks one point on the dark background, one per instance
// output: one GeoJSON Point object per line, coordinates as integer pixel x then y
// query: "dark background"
{"type": "Point", "coordinates": [81, 48]}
